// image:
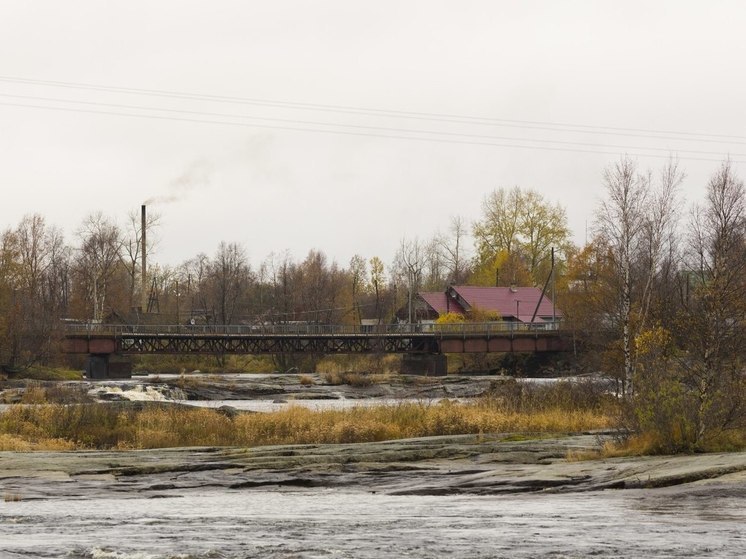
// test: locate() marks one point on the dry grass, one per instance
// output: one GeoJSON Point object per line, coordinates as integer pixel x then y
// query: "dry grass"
{"type": "Point", "coordinates": [353, 379]}
{"type": "Point", "coordinates": [37, 393]}
{"type": "Point", "coordinates": [105, 426]}
{"type": "Point", "coordinates": [581, 455]}
{"type": "Point", "coordinates": [306, 380]}
{"type": "Point", "coordinates": [173, 364]}
{"type": "Point", "coordinates": [19, 444]}
{"type": "Point", "coordinates": [381, 364]}
{"type": "Point", "coordinates": [14, 443]}
{"type": "Point", "coordinates": [650, 443]}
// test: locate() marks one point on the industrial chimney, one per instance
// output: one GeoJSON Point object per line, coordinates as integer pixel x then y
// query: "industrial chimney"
{"type": "Point", "coordinates": [144, 263]}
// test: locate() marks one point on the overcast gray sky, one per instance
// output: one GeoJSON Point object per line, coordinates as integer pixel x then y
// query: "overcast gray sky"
{"type": "Point", "coordinates": [346, 126]}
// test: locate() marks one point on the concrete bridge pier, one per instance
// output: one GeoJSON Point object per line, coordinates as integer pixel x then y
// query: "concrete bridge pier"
{"type": "Point", "coordinates": [100, 366]}
{"type": "Point", "coordinates": [428, 364]}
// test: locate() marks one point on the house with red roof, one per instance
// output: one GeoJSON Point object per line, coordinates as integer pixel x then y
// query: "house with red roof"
{"type": "Point", "coordinates": [511, 304]}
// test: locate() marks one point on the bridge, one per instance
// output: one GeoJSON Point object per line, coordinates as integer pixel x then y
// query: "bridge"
{"type": "Point", "coordinates": [423, 345]}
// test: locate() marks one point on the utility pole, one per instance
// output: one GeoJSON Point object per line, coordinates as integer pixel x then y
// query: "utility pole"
{"type": "Point", "coordinates": [554, 289]}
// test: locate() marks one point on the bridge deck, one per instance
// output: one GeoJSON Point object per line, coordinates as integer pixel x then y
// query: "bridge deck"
{"type": "Point", "coordinates": [313, 338]}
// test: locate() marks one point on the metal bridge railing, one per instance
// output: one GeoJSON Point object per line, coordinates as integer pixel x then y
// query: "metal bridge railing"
{"type": "Point", "coordinates": [455, 329]}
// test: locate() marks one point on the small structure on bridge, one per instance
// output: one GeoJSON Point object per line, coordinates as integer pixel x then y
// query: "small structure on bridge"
{"type": "Point", "coordinates": [528, 305]}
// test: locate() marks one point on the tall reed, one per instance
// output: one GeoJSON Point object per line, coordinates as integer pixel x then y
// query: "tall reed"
{"type": "Point", "coordinates": [105, 426]}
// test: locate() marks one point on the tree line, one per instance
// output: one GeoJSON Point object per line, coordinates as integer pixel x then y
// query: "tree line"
{"type": "Point", "coordinates": [46, 280]}
{"type": "Point", "coordinates": [655, 298]}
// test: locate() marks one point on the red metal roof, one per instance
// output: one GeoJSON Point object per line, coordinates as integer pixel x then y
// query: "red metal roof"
{"type": "Point", "coordinates": [509, 302]}
{"type": "Point", "coordinates": [437, 300]}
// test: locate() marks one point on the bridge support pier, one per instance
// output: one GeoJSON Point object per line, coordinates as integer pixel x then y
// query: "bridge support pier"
{"type": "Point", "coordinates": [428, 364]}
{"type": "Point", "coordinates": [100, 366]}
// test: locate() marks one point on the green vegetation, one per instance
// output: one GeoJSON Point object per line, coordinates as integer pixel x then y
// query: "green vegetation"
{"type": "Point", "coordinates": [47, 373]}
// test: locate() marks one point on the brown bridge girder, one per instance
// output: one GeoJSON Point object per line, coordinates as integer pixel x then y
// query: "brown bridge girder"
{"type": "Point", "coordinates": [152, 343]}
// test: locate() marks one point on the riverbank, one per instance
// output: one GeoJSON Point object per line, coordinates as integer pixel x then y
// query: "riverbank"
{"type": "Point", "coordinates": [471, 496]}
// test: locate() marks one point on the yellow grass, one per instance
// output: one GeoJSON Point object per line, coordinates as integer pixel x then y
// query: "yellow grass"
{"type": "Point", "coordinates": [103, 426]}
{"type": "Point", "coordinates": [19, 444]}
{"type": "Point", "coordinates": [648, 443]}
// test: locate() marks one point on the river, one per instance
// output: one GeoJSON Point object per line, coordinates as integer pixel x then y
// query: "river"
{"type": "Point", "coordinates": [334, 523]}
{"type": "Point", "coordinates": [82, 505]}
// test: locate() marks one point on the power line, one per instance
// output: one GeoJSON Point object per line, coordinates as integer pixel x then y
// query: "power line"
{"type": "Point", "coordinates": [358, 126]}
{"type": "Point", "coordinates": [351, 133]}
{"type": "Point", "coordinates": [444, 117]}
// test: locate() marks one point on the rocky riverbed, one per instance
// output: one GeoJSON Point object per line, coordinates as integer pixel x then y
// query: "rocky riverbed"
{"type": "Point", "coordinates": [518, 495]}
{"type": "Point", "coordinates": [475, 465]}
{"type": "Point", "coordinates": [272, 387]}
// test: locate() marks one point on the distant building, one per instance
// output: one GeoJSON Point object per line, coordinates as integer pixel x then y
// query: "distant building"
{"type": "Point", "coordinates": [511, 304]}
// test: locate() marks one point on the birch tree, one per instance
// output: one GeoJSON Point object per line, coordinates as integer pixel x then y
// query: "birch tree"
{"type": "Point", "coordinates": [713, 332]}
{"type": "Point", "coordinates": [99, 254]}
{"type": "Point", "coordinates": [409, 263]}
{"type": "Point", "coordinates": [632, 222]}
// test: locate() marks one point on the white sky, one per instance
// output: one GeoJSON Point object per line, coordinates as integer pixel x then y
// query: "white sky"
{"type": "Point", "coordinates": [673, 66]}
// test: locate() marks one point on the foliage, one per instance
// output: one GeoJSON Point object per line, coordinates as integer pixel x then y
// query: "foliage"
{"type": "Point", "coordinates": [661, 404]}
{"type": "Point", "coordinates": [687, 389]}
{"type": "Point", "coordinates": [450, 318]}
{"type": "Point", "coordinates": [520, 223]}
{"type": "Point", "coordinates": [502, 269]}
{"type": "Point", "coordinates": [477, 314]}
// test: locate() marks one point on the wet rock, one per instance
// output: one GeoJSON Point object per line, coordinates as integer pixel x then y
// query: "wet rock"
{"type": "Point", "coordinates": [428, 466]}
{"type": "Point", "coordinates": [228, 411]}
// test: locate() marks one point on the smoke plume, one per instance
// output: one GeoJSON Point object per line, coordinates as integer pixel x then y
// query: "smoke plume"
{"type": "Point", "coordinates": [197, 175]}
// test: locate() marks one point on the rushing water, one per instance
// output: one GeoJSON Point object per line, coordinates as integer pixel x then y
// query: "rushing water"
{"type": "Point", "coordinates": [333, 523]}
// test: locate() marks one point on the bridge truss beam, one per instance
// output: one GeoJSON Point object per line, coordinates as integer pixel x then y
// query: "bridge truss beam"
{"type": "Point", "coordinates": [174, 343]}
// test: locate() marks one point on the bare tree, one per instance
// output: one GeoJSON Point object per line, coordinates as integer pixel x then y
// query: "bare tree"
{"type": "Point", "coordinates": [358, 275]}
{"type": "Point", "coordinates": [44, 275]}
{"type": "Point", "coordinates": [451, 247]}
{"type": "Point", "coordinates": [99, 253]}
{"type": "Point", "coordinates": [409, 263]}
{"type": "Point", "coordinates": [716, 309]}
{"type": "Point", "coordinates": [229, 277]}
{"type": "Point", "coordinates": [132, 247]}
{"type": "Point", "coordinates": [632, 223]}
{"type": "Point", "coordinates": [377, 281]}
